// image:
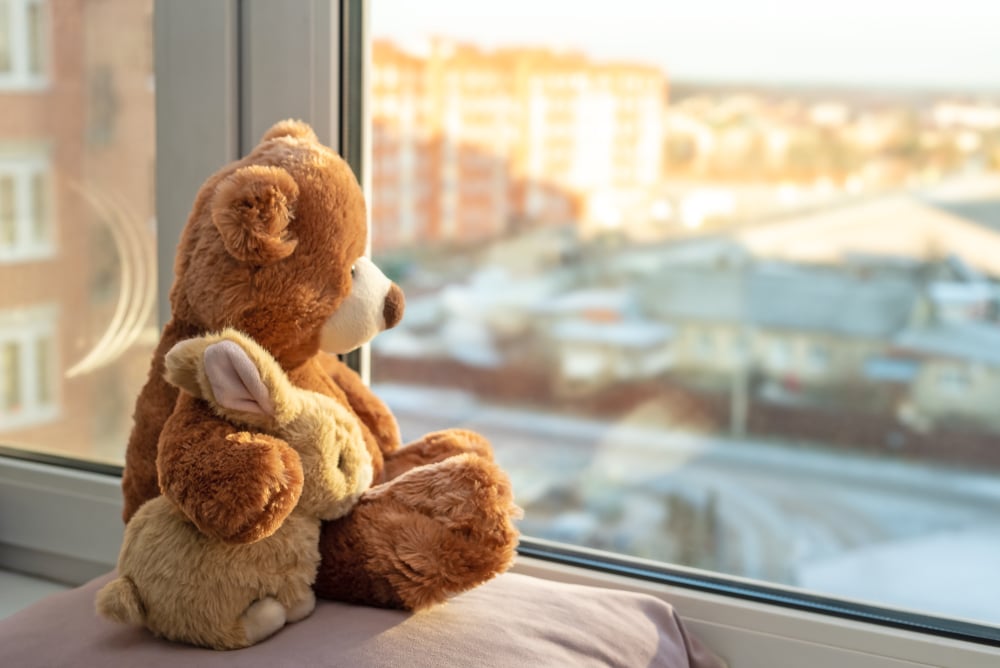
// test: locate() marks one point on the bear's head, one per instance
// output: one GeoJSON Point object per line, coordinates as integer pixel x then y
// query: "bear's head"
{"type": "Point", "coordinates": [275, 248]}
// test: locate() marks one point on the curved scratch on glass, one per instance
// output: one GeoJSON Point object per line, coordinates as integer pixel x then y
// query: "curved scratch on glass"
{"type": "Point", "coordinates": [137, 289]}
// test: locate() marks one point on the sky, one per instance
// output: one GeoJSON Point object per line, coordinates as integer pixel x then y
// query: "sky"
{"type": "Point", "coordinates": [950, 44]}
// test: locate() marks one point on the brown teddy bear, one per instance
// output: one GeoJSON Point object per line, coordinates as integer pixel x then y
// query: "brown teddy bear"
{"type": "Point", "coordinates": [184, 586]}
{"type": "Point", "coordinates": [273, 247]}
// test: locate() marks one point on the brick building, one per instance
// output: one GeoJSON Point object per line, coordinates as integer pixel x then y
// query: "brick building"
{"type": "Point", "coordinates": [76, 220]}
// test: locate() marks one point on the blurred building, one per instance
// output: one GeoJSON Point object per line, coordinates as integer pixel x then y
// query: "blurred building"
{"type": "Point", "coordinates": [76, 214]}
{"type": "Point", "coordinates": [469, 143]}
{"type": "Point", "coordinates": [401, 210]}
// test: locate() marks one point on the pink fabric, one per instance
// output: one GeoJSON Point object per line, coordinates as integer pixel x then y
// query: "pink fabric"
{"type": "Point", "coordinates": [236, 382]}
{"type": "Point", "coordinates": [514, 621]}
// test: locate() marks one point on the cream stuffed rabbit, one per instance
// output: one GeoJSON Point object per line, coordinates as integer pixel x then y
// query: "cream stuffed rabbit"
{"type": "Point", "coordinates": [185, 586]}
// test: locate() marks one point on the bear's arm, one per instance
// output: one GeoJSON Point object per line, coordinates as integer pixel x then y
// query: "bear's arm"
{"type": "Point", "coordinates": [234, 485]}
{"type": "Point", "coordinates": [153, 407]}
{"type": "Point", "coordinates": [369, 408]}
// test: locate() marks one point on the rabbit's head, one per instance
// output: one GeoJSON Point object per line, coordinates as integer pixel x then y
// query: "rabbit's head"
{"type": "Point", "coordinates": [244, 384]}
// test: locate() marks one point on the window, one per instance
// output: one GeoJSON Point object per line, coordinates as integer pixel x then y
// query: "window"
{"type": "Point", "coordinates": [575, 468]}
{"type": "Point", "coordinates": [837, 212]}
{"type": "Point", "coordinates": [27, 367]}
{"type": "Point", "coordinates": [818, 358]}
{"type": "Point", "coordinates": [23, 44]}
{"type": "Point", "coordinates": [77, 246]}
{"type": "Point", "coordinates": [778, 355]}
{"type": "Point", "coordinates": [953, 380]}
{"type": "Point", "coordinates": [26, 230]}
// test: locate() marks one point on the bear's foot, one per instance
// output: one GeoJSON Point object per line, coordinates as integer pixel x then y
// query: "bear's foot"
{"type": "Point", "coordinates": [431, 533]}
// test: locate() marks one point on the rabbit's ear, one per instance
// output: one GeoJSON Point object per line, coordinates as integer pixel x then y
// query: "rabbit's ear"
{"type": "Point", "coordinates": [236, 380]}
{"type": "Point", "coordinates": [238, 377]}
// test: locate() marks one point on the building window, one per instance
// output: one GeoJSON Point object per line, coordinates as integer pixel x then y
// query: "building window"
{"type": "Point", "coordinates": [25, 209]}
{"type": "Point", "coordinates": [778, 355]}
{"type": "Point", "coordinates": [818, 358]}
{"type": "Point", "coordinates": [705, 343]}
{"type": "Point", "coordinates": [28, 394]}
{"type": "Point", "coordinates": [23, 44]}
{"type": "Point", "coordinates": [954, 380]}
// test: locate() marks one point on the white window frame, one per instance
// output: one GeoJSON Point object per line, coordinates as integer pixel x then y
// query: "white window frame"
{"type": "Point", "coordinates": [22, 166]}
{"type": "Point", "coordinates": [64, 523]}
{"type": "Point", "coordinates": [20, 78]}
{"type": "Point", "coordinates": [27, 327]}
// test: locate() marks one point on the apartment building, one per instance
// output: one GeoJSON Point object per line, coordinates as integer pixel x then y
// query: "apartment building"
{"type": "Point", "coordinates": [470, 142]}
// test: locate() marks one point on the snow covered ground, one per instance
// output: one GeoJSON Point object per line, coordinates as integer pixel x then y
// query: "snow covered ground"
{"type": "Point", "coordinates": [952, 573]}
{"type": "Point", "coordinates": [891, 532]}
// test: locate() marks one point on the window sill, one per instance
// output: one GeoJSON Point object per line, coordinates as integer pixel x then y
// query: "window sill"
{"type": "Point", "coordinates": [757, 635]}
{"type": "Point", "coordinates": [64, 525]}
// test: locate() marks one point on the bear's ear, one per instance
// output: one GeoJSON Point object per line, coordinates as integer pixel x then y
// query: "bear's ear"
{"type": "Point", "coordinates": [289, 128]}
{"type": "Point", "coordinates": [252, 208]}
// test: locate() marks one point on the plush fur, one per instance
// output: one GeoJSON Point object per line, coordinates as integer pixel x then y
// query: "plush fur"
{"type": "Point", "coordinates": [187, 587]}
{"type": "Point", "coordinates": [269, 249]}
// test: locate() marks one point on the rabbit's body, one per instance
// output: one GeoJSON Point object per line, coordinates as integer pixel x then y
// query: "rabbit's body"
{"type": "Point", "coordinates": [194, 581]}
{"type": "Point", "coordinates": [185, 586]}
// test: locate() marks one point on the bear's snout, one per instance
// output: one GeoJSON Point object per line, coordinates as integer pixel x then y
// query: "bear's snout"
{"type": "Point", "coordinates": [392, 309]}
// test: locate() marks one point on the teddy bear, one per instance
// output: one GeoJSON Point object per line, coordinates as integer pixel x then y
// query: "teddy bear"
{"type": "Point", "coordinates": [274, 247]}
{"type": "Point", "coordinates": [189, 588]}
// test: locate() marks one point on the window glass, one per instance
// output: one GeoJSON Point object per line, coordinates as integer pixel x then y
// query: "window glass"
{"type": "Point", "coordinates": [77, 227]}
{"type": "Point", "coordinates": [39, 214]}
{"type": "Point", "coordinates": [719, 280]}
{"type": "Point", "coordinates": [24, 41]}
{"type": "Point", "coordinates": [12, 377]}
{"type": "Point", "coordinates": [8, 219]}
{"type": "Point", "coordinates": [5, 64]}
{"type": "Point", "coordinates": [35, 48]}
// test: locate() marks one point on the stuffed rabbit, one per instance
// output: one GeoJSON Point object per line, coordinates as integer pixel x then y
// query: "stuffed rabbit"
{"type": "Point", "coordinates": [185, 586]}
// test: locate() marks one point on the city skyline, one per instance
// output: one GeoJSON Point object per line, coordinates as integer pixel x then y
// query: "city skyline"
{"type": "Point", "coordinates": [896, 45]}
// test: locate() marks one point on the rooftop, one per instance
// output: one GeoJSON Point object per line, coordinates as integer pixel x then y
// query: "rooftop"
{"type": "Point", "coordinates": [786, 297]}
{"type": "Point", "coordinates": [975, 342]}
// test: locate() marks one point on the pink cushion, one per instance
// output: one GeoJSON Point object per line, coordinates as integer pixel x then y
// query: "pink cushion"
{"type": "Point", "coordinates": [515, 620]}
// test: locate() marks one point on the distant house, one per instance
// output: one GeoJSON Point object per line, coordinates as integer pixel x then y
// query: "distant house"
{"type": "Point", "coordinates": [597, 354]}
{"type": "Point", "coordinates": [795, 328]}
{"type": "Point", "coordinates": [598, 338]}
{"type": "Point", "coordinates": [958, 377]}
{"type": "Point", "coordinates": [707, 308]}
{"type": "Point", "coordinates": [818, 327]}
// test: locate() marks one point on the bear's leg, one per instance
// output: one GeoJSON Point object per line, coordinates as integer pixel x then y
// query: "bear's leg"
{"type": "Point", "coordinates": [416, 540]}
{"type": "Point", "coordinates": [436, 447]}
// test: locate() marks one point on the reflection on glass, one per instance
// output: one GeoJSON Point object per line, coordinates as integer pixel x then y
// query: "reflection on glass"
{"type": "Point", "coordinates": [77, 229]}
{"type": "Point", "coordinates": [715, 304]}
